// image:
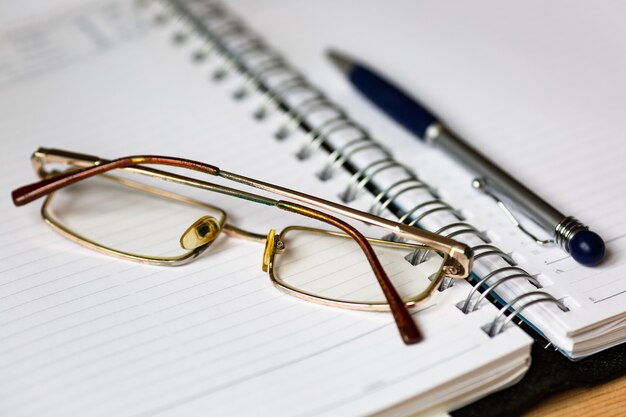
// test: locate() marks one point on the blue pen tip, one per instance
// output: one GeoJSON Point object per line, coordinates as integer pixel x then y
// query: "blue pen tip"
{"type": "Point", "coordinates": [586, 247]}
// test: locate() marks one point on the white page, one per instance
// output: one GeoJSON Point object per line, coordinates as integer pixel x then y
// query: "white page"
{"type": "Point", "coordinates": [85, 334]}
{"type": "Point", "coordinates": [536, 87]}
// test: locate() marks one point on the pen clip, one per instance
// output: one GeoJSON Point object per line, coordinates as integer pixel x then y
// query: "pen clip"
{"type": "Point", "coordinates": [482, 185]}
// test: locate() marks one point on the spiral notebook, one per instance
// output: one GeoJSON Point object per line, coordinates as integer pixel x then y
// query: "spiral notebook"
{"type": "Point", "coordinates": [84, 334]}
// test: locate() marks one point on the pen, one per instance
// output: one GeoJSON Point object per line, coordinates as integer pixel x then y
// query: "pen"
{"type": "Point", "coordinates": [585, 246]}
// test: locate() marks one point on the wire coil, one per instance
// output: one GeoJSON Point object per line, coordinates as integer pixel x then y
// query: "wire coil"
{"type": "Point", "coordinates": [501, 320]}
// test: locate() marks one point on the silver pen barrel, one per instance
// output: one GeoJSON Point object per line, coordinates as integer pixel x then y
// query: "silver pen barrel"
{"type": "Point", "coordinates": [585, 246]}
{"type": "Point", "coordinates": [502, 183]}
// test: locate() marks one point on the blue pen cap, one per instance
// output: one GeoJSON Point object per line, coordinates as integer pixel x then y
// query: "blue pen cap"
{"type": "Point", "coordinates": [587, 247]}
{"type": "Point", "coordinates": [390, 99]}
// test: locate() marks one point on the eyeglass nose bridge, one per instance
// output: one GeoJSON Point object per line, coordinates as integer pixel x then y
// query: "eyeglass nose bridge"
{"type": "Point", "coordinates": [202, 232]}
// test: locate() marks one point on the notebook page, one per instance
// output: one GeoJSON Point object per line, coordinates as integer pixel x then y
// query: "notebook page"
{"type": "Point", "coordinates": [539, 92]}
{"type": "Point", "coordinates": [84, 334]}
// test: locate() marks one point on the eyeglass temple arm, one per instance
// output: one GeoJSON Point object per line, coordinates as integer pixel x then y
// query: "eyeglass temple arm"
{"type": "Point", "coordinates": [28, 193]}
{"type": "Point", "coordinates": [88, 166]}
{"type": "Point", "coordinates": [43, 156]}
{"type": "Point", "coordinates": [407, 327]}
{"type": "Point", "coordinates": [460, 255]}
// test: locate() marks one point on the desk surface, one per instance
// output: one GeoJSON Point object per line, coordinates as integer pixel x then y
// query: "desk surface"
{"type": "Point", "coordinates": [607, 400]}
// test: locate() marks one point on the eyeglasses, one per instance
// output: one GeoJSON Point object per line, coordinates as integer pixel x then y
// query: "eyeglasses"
{"type": "Point", "coordinates": [112, 206]}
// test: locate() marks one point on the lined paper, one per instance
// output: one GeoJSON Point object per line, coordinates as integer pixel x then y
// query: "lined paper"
{"type": "Point", "coordinates": [90, 335]}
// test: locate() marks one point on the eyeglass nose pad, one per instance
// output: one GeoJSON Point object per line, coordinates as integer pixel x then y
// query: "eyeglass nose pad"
{"type": "Point", "coordinates": [269, 248]}
{"type": "Point", "coordinates": [203, 231]}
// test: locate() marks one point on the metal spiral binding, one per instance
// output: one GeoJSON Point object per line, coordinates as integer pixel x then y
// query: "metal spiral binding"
{"type": "Point", "coordinates": [481, 251]}
{"type": "Point", "coordinates": [433, 206]}
{"type": "Point", "coordinates": [429, 207]}
{"type": "Point", "coordinates": [461, 228]}
{"type": "Point", "coordinates": [340, 155]}
{"type": "Point", "coordinates": [272, 64]}
{"type": "Point", "coordinates": [297, 113]}
{"type": "Point", "coordinates": [514, 271]}
{"type": "Point", "coordinates": [317, 133]}
{"type": "Point", "coordinates": [215, 25]}
{"type": "Point", "coordinates": [363, 176]}
{"type": "Point", "coordinates": [275, 97]}
{"type": "Point", "coordinates": [319, 136]}
{"type": "Point", "coordinates": [498, 324]}
{"type": "Point", "coordinates": [384, 198]}
{"type": "Point", "coordinates": [236, 46]}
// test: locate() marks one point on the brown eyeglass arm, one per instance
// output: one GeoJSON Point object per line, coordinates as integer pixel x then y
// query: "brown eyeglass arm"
{"type": "Point", "coordinates": [458, 264]}
{"type": "Point", "coordinates": [406, 325]}
{"type": "Point", "coordinates": [26, 194]}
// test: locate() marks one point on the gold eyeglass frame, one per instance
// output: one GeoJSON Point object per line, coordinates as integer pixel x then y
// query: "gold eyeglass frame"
{"type": "Point", "coordinates": [456, 262]}
{"type": "Point", "coordinates": [274, 239]}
